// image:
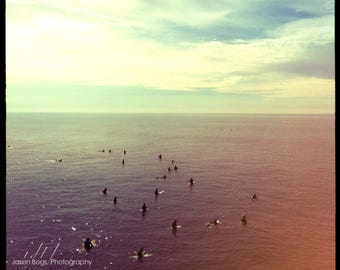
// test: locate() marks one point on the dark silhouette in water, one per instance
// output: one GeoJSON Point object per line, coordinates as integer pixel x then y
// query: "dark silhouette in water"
{"type": "Point", "coordinates": [105, 191]}
{"type": "Point", "coordinates": [213, 222]}
{"type": "Point", "coordinates": [169, 169]}
{"type": "Point", "coordinates": [174, 225]}
{"type": "Point", "coordinates": [175, 168]}
{"type": "Point", "coordinates": [254, 197]}
{"type": "Point", "coordinates": [140, 253]}
{"type": "Point", "coordinates": [123, 162]}
{"type": "Point", "coordinates": [156, 192]}
{"type": "Point", "coordinates": [88, 244]}
{"type": "Point", "coordinates": [244, 219]}
{"type": "Point", "coordinates": [115, 200]}
{"type": "Point", "coordinates": [109, 150]}
{"type": "Point", "coordinates": [124, 152]}
{"type": "Point", "coordinates": [172, 161]}
{"type": "Point", "coordinates": [160, 156]}
{"type": "Point", "coordinates": [191, 181]}
{"type": "Point", "coordinates": [144, 207]}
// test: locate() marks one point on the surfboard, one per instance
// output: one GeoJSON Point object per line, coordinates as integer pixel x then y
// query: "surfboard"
{"type": "Point", "coordinates": [94, 242]}
{"type": "Point", "coordinates": [135, 257]}
{"type": "Point", "coordinates": [177, 227]}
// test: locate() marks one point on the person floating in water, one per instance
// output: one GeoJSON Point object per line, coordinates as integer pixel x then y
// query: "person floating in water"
{"type": "Point", "coordinates": [144, 207]}
{"type": "Point", "coordinates": [156, 192]}
{"type": "Point", "coordinates": [213, 222]}
{"type": "Point", "coordinates": [109, 150]}
{"type": "Point", "coordinates": [169, 169]}
{"type": "Point", "coordinates": [160, 156]}
{"type": "Point", "coordinates": [140, 253]}
{"type": "Point", "coordinates": [123, 162]}
{"type": "Point", "coordinates": [244, 219]}
{"type": "Point", "coordinates": [115, 200]}
{"type": "Point", "coordinates": [254, 197]}
{"type": "Point", "coordinates": [216, 221]}
{"type": "Point", "coordinates": [60, 160]}
{"type": "Point", "coordinates": [175, 168]}
{"type": "Point", "coordinates": [172, 161]}
{"type": "Point", "coordinates": [105, 191]}
{"type": "Point", "coordinates": [124, 152]}
{"type": "Point", "coordinates": [174, 225]}
{"type": "Point", "coordinates": [88, 244]}
{"type": "Point", "coordinates": [164, 176]}
{"type": "Point", "coordinates": [191, 181]}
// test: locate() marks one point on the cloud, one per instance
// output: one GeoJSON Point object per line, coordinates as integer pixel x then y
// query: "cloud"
{"type": "Point", "coordinates": [256, 47]}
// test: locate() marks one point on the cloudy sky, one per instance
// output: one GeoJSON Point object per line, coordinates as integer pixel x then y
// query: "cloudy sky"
{"type": "Point", "coordinates": [195, 56]}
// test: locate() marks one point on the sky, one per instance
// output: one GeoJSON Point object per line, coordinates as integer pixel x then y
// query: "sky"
{"type": "Point", "coordinates": [178, 56]}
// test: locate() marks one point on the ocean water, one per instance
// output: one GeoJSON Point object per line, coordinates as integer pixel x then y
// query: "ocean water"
{"type": "Point", "coordinates": [287, 160]}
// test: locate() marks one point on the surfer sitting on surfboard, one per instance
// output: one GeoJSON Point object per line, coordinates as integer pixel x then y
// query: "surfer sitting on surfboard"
{"type": "Point", "coordinates": [140, 253]}
{"type": "Point", "coordinates": [174, 224]}
{"type": "Point", "coordinates": [144, 207]}
{"type": "Point", "coordinates": [244, 219]}
{"type": "Point", "coordinates": [88, 244]}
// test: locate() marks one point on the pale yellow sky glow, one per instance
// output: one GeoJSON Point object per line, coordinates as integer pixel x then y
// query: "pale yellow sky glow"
{"type": "Point", "coordinates": [251, 48]}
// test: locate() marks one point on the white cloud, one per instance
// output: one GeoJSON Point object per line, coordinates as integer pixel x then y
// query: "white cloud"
{"type": "Point", "coordinates": [93, 44]}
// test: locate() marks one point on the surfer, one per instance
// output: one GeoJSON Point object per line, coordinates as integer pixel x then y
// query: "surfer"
{"type": "Point", "coordinates": [105, 190]}
{"type": "Point", "coordinates": [174, 225]}
{"type": "Point", "coordinates": [115, 200]}
{"type": "Point", "coordinates": [191, 181]}
{"type": "Point", "coordinates": [124, 152]}
{"type": "Point", "coordinates": [160, 156]}
{"type": "Point", "coordinates": [254, 197]}
{"type": "Point", "coordinates": [175, 168]}
{"type": "Point", "coordinates": [123, 161]}
{"type": "Point", "coordinates": [144, 207]}
{"type": "Point", "coordinates": [88, 244]}
{"type": "Point", "coordinates": [164, 176]}
{"type": "Point", "coordinates": [169, 169]}
{"type": "Point", "coordinates": [109, 150]}
{"type": "Point", "coordinates": [244, 219]}
{"type": "Point", "coordinates": [156, 192]}
{"type": "Point", "coordinates": [172, 161]}
{"type": "Point", "coordinates": [215, 221]}
{"type": "Point", "coordinates": [140, 253]}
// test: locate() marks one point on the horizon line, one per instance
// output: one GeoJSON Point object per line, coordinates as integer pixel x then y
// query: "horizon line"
{"type": "Point", "coordinates": [240, 113]}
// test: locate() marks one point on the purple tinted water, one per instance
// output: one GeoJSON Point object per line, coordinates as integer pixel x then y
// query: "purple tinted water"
{"type": "Point", "coordinates": [288, 161]}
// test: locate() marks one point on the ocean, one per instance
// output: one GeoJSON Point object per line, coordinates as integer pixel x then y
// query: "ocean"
{"type": "Point", "coordinates": [52, 206]}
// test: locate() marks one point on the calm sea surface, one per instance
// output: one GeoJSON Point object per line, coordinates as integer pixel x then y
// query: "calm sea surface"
{"type": "Point", "coordinates": [288, 161]}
